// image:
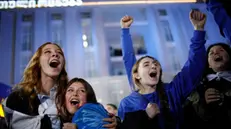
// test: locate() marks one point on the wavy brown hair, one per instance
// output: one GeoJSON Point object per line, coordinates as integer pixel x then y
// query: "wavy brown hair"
{"type": "Point", "coordinates": [60, 98]}
{"type": "Point", "coordinates": [32, 76]}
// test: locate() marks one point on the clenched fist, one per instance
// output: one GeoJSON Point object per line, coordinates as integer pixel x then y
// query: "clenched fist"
{"type": "Point", "coordinates": [152, 110]}
{"type": "Point", "coordinates": [126, 21]}
{"type": "Point", "coordinates": [212, 95]}
{"type": "Point", "coordinates": [197, 19]}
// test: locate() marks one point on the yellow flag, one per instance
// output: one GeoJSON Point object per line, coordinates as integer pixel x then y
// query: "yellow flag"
{"type": "Point", "coordinates": [1, 111]}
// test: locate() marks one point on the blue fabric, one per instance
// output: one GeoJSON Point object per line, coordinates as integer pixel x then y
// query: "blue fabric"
{"type": "Point", "coordinates": [221, 17]}
{"type": "Point", "coordinates": [4, 90]}
{"type": "Point", "coordinates": [90, 116]}
{"type": "Point", "coordinates": [177, 90]}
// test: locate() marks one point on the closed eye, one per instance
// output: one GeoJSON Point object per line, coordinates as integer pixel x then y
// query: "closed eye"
{"type": "Point", "coordinates": [60, 52]}
{"type": "Point", "coordinates": [47, 52]}
{"type": "Point", "coordinates": [70, 90]}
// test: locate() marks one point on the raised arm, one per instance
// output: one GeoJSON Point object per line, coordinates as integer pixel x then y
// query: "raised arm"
{"type": "Point", "coordinates": [191, 74]}
{"type": "Point", "coordinates": [221, 17]}
{"type": "Point", "coordinates": [127, 48]}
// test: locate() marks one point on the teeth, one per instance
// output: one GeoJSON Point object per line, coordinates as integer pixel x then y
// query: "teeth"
{"type": "Point", "coordinates": [75, 100]}
{"type": "Point", "coordinates": [56, 61]}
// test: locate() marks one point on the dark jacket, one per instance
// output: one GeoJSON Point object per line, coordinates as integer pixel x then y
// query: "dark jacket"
{"type": "Point", "coordinates": [139, 120]}
{"type": "Point", "coordinates": [216, 115]}
{"type": "Point", "coordinates": [19, 102]}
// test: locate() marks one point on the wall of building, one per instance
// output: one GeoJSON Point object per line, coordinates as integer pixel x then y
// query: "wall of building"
{"type": "Point", "coordinates": [90, 38]}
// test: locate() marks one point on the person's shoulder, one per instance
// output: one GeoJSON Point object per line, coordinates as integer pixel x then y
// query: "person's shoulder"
{"type": "Point", "coordinates": [15, 97]}
{"type": "Point", "coordinates": [15, 94]}
{"type": "Point", "coordinates": [167, 86]}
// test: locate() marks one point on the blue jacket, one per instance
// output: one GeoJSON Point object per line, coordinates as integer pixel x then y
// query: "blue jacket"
{"type": "Point", "coordinates": [221, 17]}
{"type": "Point", "coordinates": [177, 90]}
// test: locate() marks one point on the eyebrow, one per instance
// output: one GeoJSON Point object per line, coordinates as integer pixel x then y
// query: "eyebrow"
{"type": "Point", "coordinates": [146, 62]}
{"type": "Point", "coordinates": [50, 48]}
{"type": "Point", "coordinates": [46, 49]}
{"type": "Point", "coordinates": [69, 87]}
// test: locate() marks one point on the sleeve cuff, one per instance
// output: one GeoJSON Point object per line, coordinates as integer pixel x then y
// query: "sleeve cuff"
{"type": "Point", "coordinates": [125, 31]}
{"type": "Point", "coordinates": [200, 35]}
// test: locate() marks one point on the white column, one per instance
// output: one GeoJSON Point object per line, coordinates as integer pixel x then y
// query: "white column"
{"type": "Point", "coordinates": [100, 43]}
{"type": "Point", "coordinates": [74, 44]}
{"type": "Point", "coordinates": [6, 47]}
{"type": "Point", "coordinates": [40, 28]}
{"type": "Point", "coordinates": [154, 46]}
{"type": "Point", "coordinates": [18, 46]}
{"type": "Point", "coordinates": [176, 25]}
{"type": "Point", "coordinates": [184, 23]}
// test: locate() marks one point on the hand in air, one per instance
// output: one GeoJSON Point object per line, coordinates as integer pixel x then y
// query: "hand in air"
{"type": "Point", "coordinates": [126, 21]}
{"type": "Point", "coordinates": [197, 19]}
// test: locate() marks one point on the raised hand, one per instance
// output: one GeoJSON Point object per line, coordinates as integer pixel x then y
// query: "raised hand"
{"type": "Point", "coordinates": [197, 19]}
{"type": "Point", "coordinates": [152, 110]}
{"type": "Point", "coordinates": [126, 21]}
{"type": "Point", "coordinates": [211, 95]}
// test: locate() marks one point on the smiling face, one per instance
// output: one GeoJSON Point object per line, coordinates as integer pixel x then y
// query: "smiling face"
{"type": "Point", "coordinates": [51, 61]}
{"type": "Point", "coordinates": [147, 72]}
{"type": "Point", "coordinates": [75, 97]}
{"type": "Point", "coordinates": [218, 58]}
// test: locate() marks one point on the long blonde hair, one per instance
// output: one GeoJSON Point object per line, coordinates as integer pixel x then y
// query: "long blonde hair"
{"type": "Point", "coordinates": [32, 75]}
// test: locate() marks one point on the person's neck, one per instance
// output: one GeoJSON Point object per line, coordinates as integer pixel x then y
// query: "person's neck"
{"type": "Point", "coordinates": [46, 84]}
{"type": "Point", "coordinates": [147, 89]}
{"type": "Point", "coordinates": [219, 70]}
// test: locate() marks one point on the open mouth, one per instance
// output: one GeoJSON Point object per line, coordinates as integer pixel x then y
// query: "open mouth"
{"type": "Point", "coordinates": [74, 102]}
{"type": "Point", "coordinates": [217, 59]}
{"type": "Point", "coordinates": [153, 74]}
{"type": "Point", "coordinates": [54, 63]}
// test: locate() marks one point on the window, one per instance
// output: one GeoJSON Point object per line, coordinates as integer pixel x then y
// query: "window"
{"type": "Point", "coordinates": [57, 28]}
{"type": "Point", "coordinates": [173, 58]}
{"type": "Point", "coordinates": [162, 12]}
{"type": "Point", "coordinates": [166, 30]}
{"type": "Point", "coordinates": [56, 16]}
{"type": "Point", "coordinates": [25, 58]}
{"type": "Point", "coordinates": [90, 64]}
{"type": "Point", "coordinates": [118, 68]}
{"type": "Point", "coordinates": [85, 15]}
{"type": "Point", "coordinates": [89, 51]}
{"type": "Point", "coordinates": [27, 38]}
{"type": "Point", "coordinates": [26, 41]}
{"type": "Point", "coordinates": [27, 18]}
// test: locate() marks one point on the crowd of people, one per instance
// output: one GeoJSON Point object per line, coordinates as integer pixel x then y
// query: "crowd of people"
{"type": "Point", "coordinates": [199, 96]}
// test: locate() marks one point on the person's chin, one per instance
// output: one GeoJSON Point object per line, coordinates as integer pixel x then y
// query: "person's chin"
{"type": "Point", "coordinates": [153, 81]}
{"type": "Point", "coordinates": [54, 74]}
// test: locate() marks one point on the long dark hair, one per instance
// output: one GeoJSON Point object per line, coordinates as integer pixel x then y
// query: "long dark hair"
{"type": "Point", "coordinates": [60, 98]}
{"type": "Point", "coordinates": [160, 90]}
